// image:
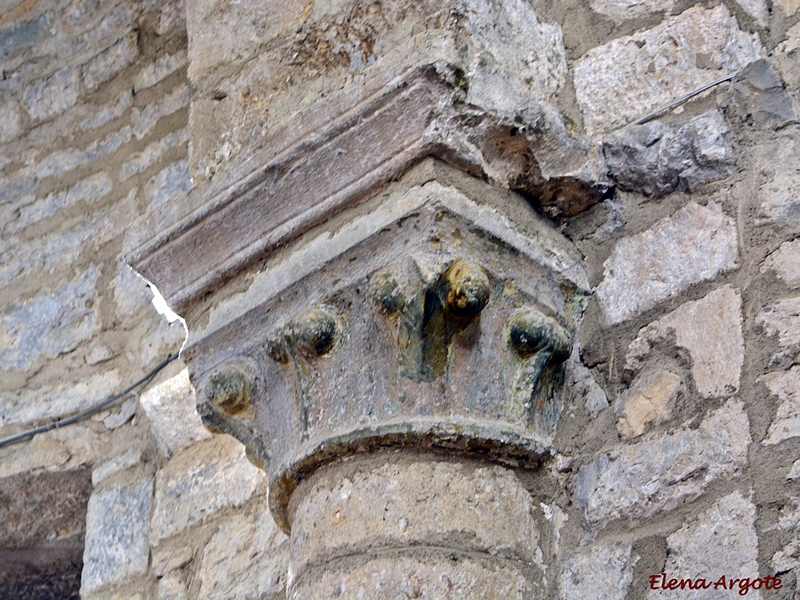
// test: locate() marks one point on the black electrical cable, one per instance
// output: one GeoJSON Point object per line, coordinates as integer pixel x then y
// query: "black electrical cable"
{"type": "Point", "coordinates": [90, 411]}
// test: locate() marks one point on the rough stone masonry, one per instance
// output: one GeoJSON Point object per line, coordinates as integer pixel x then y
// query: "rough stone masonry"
{"type": "Point", "coordinates": [457, 328]}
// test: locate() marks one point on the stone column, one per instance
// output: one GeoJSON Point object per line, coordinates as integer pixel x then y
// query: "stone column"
{"type": "Point", "coordinates": [383, 329]}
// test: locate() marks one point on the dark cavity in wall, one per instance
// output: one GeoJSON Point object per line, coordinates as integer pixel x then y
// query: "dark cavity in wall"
{"type": "Point", "coordinates": [43, 519]}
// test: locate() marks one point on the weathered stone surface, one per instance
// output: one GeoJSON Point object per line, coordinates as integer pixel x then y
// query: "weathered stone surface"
{"type": "Point", "coordinates": [166, 559]}
{"type": "Point", "coordinates": [580, 379]}
{"type": "Point", "coordinates": [111, 60]}
{"type": "Point", "coordinates": [43, 507]}
{"type": "Point", "coordinates": [121, 416]}
{"type": "Point", "coordinates": [172, 587]}
{"type": "Point", "coordinates": [650, 400]}
{"type": "Point", "coordinates": [630, 76]}
{"type": "Point", "coordinates": [108, 112]}
{"type": "Point", "coordinates": [782, 318]}
{"type": "Point", "coordinates": [152, 152]}
{"type": "Point", "coordinates": [786, 386]}
{"type": "Point", "coordinates": [756, 9]}
{"type": "Point", "coordinates": [25, 34]}
{"type": "Point", "coordinates": [99, 354]}
{"type": "Point", "coordinates": [10, 120]}
{"type": "Point", "coordinates": [171, 183]}
{"type": "Point", "coordinates": [116, 464]}
{"type": "Point", "coordinates": [117, 534]}
{"type": "Point", "coordinates": [430, 574]}
{"type": "Point", "coordinates": [788, 557]}
{"type": "Point", "coordinates": [49, 97]}
{"type": "Point", "coordinates": [657, 159]}
{"type": "Point", "coordinates": [759, 97]}
{"type": "Point", "coordinates": [87, 190]}
{"type": "Point", "coordinates": [145, 119]}
{"type": "Point", "coordinates": [789, 7]}
{"type": "Point", "coordinates": [246, 558]}
{"type": "Point", "coordinates": [163, 67]}
{"type": "Point", "coordinates": [719, 541]}
{"type": "Point", "coordinates": [794, 472]}
{"type": "Point", "coordinates": [510, 32]}
{"type": "Point", "coordinates": [624, 10]}
{"type": "Point", "coordinates": [776, 181]}
{"type": "Point", "coordinates": [199, 482]}
{"type": "Point", "coordinates": [602, 571]}
{"type": "Point", "coordinates": [785, 261]}
{"type": "Point", "coordinates": [711, 330]}
{"type": "Point", "coordinates": [694, 244]}
{"type": "Point", "coordinates": [49, 324]}
{"type": "Point", "coordinates": [660, 473]}
{"type": "Point", "coordinates": [170, 407]}
{"type": "Point", "coordinates": [482, 509]}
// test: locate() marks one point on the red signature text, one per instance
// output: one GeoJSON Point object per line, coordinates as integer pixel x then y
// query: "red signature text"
{"type": "Point", "coordinates": [743, 585]}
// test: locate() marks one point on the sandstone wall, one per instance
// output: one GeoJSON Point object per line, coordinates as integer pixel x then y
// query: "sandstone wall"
{"type": "Point", "coordinates": [678, 447]}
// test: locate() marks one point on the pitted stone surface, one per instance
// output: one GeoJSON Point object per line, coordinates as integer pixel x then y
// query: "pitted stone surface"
{"type": "Point", "coordinates": [650, 400]}
{"type": "Point", "coordinates": [427, 576]}
{"type": "Point", "coordinates": [694, 244]}
{"type": "Point", "coordinates": [630, 76]}
{"type": "Point", "coordinates": [581, 380]}
{"type": "Point", "coordinates": [776, 181]}
{"type": "Point", "coordinates": [245, 558]}
{"type": "Point", "coordinates": [49, 324]}
{"type": "Point", "coordinates": [785, 262]}
{"type": "Point", "coordinates": [657, 159]}
{"type": "Point", "coordinates": [786, 386]}
{"type": "Point", "coordinates": [117, 540]}
{"type": "Point", "coordinates": [199, 482]}
{"type": "Point", "coordinates": [782, 318]}
{"type": "Point", "coordinates": [170, 407]}
{"type": "Point", "coordinates": [604, 571]}
{"type": "Point", "coordinates": [662, 472]}
{"type": "Point", "coordinates": [711, 330]}
{"type": "Point", "coordinates": [719, 541]}
{"type": "Point", "coordinates": [349, 510]}
{"type": "Point", "coordinates": [624, 10]}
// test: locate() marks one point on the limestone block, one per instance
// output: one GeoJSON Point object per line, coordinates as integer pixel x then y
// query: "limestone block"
{"type": "Point", "coordinates": [111, 60]}
{"type": "Point", "coordinates": [86, 190]}
{"type": "Point", "coordinates": [625, 10]}
{"type": "Point", "coordinates": [163, 67]}
{"type": "Point", "coordinates": [49, 97]}
{"type": "Point", "coordinates": [117, 534]}
{"type": "Point", "coordinates": [172, 587]}
{"type": "Point", "coordinates": [760, 98]}
{"type": "Point", "coordinates": [794, 472]}
{"type": "Point", "coordinates": [49, 324]}
{"type": "Point", "coordinates": [107, 112]}
{"type": "Point", "coordinates": [782, 318]}
{"type": "Point", "coordinates": [789, 7]}
{"type": "Point", "coordinates": [657, 159]}
{"type": "Point", "coordinates": [785, 262]}
{"type": "Point", "coordinates": [173, 182]}
{"type": "Point", "coordinates": [170, 407]}
{"type": "Point", "coordinates": [788, 557]}
{"type": "Point", "coordinates": [756, 9]}
{"type": "Point", "coordinates": [776, 181]}
{"type": "Point", "coordinates": [25, 34]}
{"type": "Point", "coordinates": [146, 118]}
{"type": "Point", "coordinates": [786, 386]}
{"type": "Point", "coordinates": [122, 415]}
{"type": "Point", "coordinates": [604, 571]}
{"type": "Point", "coordinates": [719, 541]}
{"type": "Point", "coordinates": [650, 400]}
{"type": "Point", "coordinates": [711, 330]}
{"type": "Point", "coordinates": [199, 482]}
{"type": "Point", "coordinates": [10, 120]}
{"type": "Point", "coordinates": [63, 161]}
{"type": "Point", "coordinates": [482, 510]}
{"type": "Point", "coordinates": [246, 558]}
{"type": "Point", "coordinates": [580, 379]}
{"type": "Point", "coordinates": [660, 473]}
{"type": "Point", "coordinates": [151, 153]}
{"type": "Point", "coordinates": [630, 76]}
{"type": "Point", "coordinates": [116, 464]}
{"type": "Point", "coordinates": [425, 575]}
{"type": "Point", "coordinates": [694, 244]}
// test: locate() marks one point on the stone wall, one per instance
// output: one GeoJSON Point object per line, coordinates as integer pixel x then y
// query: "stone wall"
{"type": "Point", "coordinates": [678, 445]}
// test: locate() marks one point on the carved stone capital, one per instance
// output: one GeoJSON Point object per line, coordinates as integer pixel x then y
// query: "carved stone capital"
{"type": "Point", "coordinates": [429, 319]}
